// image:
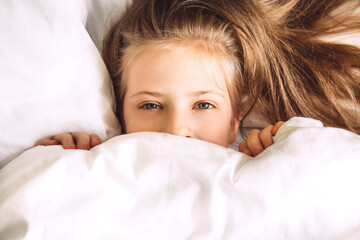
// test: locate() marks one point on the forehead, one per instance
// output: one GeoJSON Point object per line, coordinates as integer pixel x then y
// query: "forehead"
{"type": "Point", "coordinates": [182, 67]}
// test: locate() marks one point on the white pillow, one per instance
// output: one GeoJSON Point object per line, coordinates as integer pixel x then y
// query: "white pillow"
{"type": "Point", "coordinates": [101, 13]}
{"type": "Point", "coordinates": [53, 79]}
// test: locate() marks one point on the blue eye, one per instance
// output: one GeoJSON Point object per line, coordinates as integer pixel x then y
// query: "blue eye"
{"type": "Point", "coordinates": [204, 105]}
{"type": "Point", "coordinates": [150, 106]}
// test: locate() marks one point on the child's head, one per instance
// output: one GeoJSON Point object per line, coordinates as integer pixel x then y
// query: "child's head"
{"type": "Point", "coordinates": [178, 90]}
{"type": "Point", "coordinates": [176, 75]}
{"type": "Point", "coordinates": [269, 52]}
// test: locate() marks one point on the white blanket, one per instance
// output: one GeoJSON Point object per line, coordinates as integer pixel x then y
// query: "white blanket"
{"type": "Point", "coordinates": [159, 186]}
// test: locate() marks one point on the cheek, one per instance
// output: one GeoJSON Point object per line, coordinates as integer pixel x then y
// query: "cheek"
{"type": "Point", "coordinates": [130, 120]}
{"type": "Point", "coordinates": [133, 123]}
{"type": "Point", "coordinates": [216, 130]}
{"type": "Point", "coordinates": [139, 121]}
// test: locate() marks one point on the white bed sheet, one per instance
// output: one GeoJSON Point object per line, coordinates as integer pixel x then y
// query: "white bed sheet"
{"type": "Point", "coordinates": [160, 186]}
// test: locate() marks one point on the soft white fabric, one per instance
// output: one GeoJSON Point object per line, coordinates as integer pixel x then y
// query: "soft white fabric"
{"type": "Point", "coordinates": [101, 13]}
{"type": "Point", "coordinates": [53, 79]}
{"type": "Point", "coordinates": [159, 186]}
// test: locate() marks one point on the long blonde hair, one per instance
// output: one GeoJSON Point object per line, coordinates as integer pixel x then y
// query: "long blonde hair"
{"type": "Point", "coordinates": [280, 63]}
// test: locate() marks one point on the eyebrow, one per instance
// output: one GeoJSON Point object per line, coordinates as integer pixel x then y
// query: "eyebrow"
{"type": "Point", "coordinates": [199, 93]}
{"type": "Point", "coordinates": [195, 94]}
{"type": "Point", "coordinates": [154, 94]}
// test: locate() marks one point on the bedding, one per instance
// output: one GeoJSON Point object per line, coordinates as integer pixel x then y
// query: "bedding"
{"type": "Point", "coordinates": [147, 185]}
{"type": "Point", "coordinates": [160, 186]}
{"type": "Point", "coordinates": [53, 78]}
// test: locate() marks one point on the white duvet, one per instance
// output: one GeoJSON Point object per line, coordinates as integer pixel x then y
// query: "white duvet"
{"type": "Point", "coordinates": [159, 186]}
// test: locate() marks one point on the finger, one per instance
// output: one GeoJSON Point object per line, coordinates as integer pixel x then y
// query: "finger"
{"type": "Point", "coordinates": [254, 142]}
{"type": "Point", "coordinates": [266, 136]}
{"type": "Point", "coordinates": [82, 140]}
{"type": "Point", "coordinates": [276, 127]}
{"type": "Point", "coordinates": [66, 140]}
{"type": "Point", "coordinates": [244, 149]}
{"type": "Point", "coordinates": [94, 140]}
{"type": "Point", "coordinates": [47, 142]}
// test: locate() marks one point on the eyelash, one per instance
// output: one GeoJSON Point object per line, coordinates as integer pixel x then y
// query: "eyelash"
{"type": "Point", "coordinates": [153, 106]}
{"type": "Point", "coordinates": [149, 106]}
{"type": "Point", "coordinates": [209, 105]}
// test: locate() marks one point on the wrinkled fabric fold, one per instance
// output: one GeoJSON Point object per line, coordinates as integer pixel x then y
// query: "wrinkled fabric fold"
{"type": "Point", "coordinates": [160, 186]}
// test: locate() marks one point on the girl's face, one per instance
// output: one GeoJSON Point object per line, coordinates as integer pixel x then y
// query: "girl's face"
{"type": "Point", "coordinates": [182, 92]}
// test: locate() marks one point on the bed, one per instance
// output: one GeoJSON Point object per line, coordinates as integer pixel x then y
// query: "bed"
{"type": "Point", "coordinates": [147, 185]}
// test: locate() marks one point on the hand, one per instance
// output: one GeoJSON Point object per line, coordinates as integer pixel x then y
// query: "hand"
{"type": "Point", "coordinates": [258, 140]}
{"type": "Point", "coordinates": [76, 140]}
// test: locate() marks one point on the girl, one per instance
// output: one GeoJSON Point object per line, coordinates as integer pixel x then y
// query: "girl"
{"type": "Point", "coordinates": [198, 68]}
